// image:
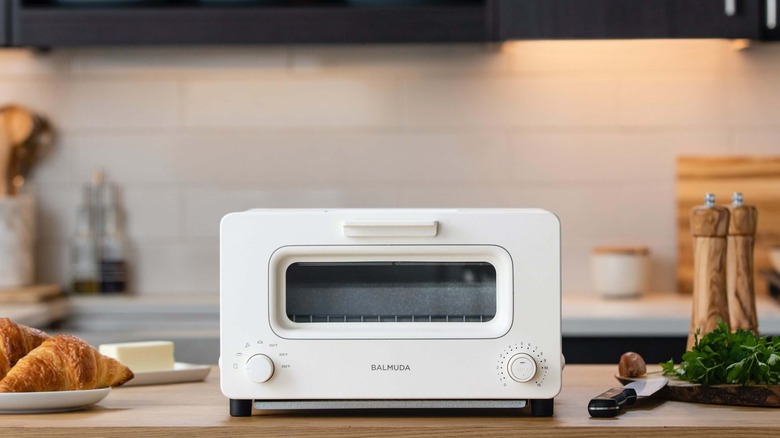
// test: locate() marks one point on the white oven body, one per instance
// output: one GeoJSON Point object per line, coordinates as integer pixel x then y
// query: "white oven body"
{"type": "Point", "coordinates": [381, 304]}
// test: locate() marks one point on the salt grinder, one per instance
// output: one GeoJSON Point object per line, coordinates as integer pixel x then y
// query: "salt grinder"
{"type": "Point", "coordinates": [709, 226]}
{"type": "Point", "coordinates": [741, 240]}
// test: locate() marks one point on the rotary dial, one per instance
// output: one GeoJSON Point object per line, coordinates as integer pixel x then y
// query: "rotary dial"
{"type": "Point", "coordinates": [522, 362]}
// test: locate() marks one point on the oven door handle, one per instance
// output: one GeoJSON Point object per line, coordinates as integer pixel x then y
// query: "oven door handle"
{"type": "Point", "coordinates": [390, 228]}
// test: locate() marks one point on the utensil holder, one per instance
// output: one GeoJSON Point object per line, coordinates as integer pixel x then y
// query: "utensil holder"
{"type": "Point", "coordinates": [17, 240]}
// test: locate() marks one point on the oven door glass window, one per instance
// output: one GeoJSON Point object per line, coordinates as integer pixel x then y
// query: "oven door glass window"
{"type": "Point", "coordinates": [391, 292]}
{"type": "Point", "coordinates": [409, 292]}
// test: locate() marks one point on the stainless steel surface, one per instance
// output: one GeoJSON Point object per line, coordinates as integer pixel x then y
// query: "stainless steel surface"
{"type": "Point", "coordinates": [736, 199]}
{"type": "Point", "coordinates": [709, 200]}
{"type": "Point", "coordinates": [647, 387]}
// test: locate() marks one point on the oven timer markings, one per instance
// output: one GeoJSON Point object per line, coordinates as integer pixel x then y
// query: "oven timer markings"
{"type": "Point", "coordinates": [259, 348]}
{"type": "Point", "coordinates": [522, 362]}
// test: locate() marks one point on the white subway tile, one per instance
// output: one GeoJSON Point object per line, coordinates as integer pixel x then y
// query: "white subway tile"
{"type": "Point", "coordinates": [134, 157]}
{"type": "Point", "coordinates": [756, 142]}
{"type": "Point", "coordinates": [663, 267]}
{"type": "Point", "coordinates": [341, 156]}
{"type": "Point", "coordinates": [98, 103]}
{"type": "Point", "coordinates": [56, 211]}
{"type": "Point", "coordinates": [753, 100]}
{"type": "Point", "coordinates": [204, 208]}
{"type": "Point", "coordinates": [290, 102]}
{"type": "Point", "coordinates": [179, 61]}
{"type": "Point", "coordinates": [585, 212]}
{"type": "Point", "coordinates": [575, 268]}
{"type": "Point", "coordinates": [532, 100]}
{"type": "Point", "coordinates": [459, 195]}
{"type": "Point", "coordinates": [648, 212]}
{"type": "Point", "coordinates": [399, 60]}
{"type": "Point", "coordinates": [673, 99]}
{"type": "Point", "coordinates": [152, 212]}
{"type": "Point", "coordinates": [107, 103]}
{"type": "Point", "coordinates": [47, 97]}
{"type": "Point", "coordinates": [175, 268]}
{"type": "Point", "coordinates": [55, 164]}
{"type": "Point", "coordinates": [52, 262]}
{"type": "Point", "coordinates": [608, 155]}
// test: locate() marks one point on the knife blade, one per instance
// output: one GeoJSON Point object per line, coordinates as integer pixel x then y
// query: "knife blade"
{"type": "Point", "coordinates": [609, 403]}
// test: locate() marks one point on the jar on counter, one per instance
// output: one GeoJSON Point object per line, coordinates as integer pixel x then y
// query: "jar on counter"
{"type": "Point", "coordinates": [620, 271]}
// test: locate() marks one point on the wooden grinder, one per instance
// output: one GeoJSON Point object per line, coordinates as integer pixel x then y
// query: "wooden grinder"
{"type": "Point", "coordinates": [709, 226]}
{"type": "Point", "coordinates": [741, 292]}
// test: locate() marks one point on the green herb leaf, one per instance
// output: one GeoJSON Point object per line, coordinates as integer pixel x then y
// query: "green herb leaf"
{"type": "Point", "coordinates": [723, 357]}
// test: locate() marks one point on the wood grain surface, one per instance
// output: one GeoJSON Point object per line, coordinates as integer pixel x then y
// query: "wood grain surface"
{"type": "Point", "coordinates": [756, 177]}
{"type": "Point", "coordinates": [30, 294]}
{"type": "Point", "coordinates": [740, 268]}
{"type": "Point", "coordinates": [709, 226]}
{"type": "Point", "coordinates": [199, 409]}
{"type": "Point", "coordinates": [767, 396]}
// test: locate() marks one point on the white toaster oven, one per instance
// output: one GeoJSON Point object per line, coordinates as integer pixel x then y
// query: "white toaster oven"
{"type": "Point", "coordinates": [390, 308]}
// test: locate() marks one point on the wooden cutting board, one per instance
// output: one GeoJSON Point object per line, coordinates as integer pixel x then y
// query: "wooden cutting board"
{"type": "Point", "coordinates": [767, 396]}
{"type": "Point", "coordinates": [30, 294]}
{"type": "Point", "coordinates": [756, 177]}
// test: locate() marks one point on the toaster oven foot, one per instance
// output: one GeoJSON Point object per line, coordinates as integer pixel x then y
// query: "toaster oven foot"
{"type": "Point", "coordinates": [240, 408]}
{"type": "Point", "coordinates": [542, 407]}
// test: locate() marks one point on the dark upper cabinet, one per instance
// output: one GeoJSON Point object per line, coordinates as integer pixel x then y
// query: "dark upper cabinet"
{"type": "Point", "coordinates": [595, 19]}
{"type": "Point", "coordinates": [5, 18]}
{"type": "Point", "coordinates": [176, 22]}
{"type": "Point", "coordinates": [48, 23]}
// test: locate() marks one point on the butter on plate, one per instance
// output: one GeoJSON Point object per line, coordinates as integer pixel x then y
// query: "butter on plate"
{"type": "Point", "coordinates": [141, 357]}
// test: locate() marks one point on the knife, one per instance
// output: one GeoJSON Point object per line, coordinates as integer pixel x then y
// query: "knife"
{"type": "Point", "coordinates": [611, 402]}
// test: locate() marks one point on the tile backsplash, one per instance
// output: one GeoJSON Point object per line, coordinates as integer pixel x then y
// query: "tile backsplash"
{"type": "Point", "coordinates": [587, 129]}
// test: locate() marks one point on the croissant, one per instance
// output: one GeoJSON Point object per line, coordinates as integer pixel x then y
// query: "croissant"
{"type": "Point", "coordinates": [64, 363]}
{"type": "Point", "coordinates": [16, 341]}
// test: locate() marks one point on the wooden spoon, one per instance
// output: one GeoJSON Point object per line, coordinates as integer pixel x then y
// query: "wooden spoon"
{"type": "Point", "coordinates": [18, 122]}
{"type": "Point", "coordinates": [21, 127]}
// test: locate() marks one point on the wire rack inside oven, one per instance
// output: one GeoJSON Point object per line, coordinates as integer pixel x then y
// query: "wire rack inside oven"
{"type": "Point", "coordinates": [389, 318]}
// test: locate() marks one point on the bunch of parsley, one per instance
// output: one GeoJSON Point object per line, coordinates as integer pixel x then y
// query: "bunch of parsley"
{"type": "Point", "coordinates": [723, 357]}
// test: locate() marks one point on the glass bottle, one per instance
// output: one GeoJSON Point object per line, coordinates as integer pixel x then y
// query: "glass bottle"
{"type": "Point", "coordinates": [83, 248]}
{"type": "Point", "coordinates": [113, 245]}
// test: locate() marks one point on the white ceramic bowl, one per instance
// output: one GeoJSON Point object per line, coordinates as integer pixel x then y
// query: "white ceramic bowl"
{"type": "Point", "coordinates": [620, 271]}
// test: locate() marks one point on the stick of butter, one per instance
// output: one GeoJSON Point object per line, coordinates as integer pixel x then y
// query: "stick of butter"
{"type": "Point", "coordinates": [141, 357]}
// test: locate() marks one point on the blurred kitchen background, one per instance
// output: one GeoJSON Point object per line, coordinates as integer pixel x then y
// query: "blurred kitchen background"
{"type": "Point", "coordinates": [589, 129]}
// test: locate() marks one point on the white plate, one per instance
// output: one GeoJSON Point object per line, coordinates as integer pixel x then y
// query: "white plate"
{"type": "Point", "coordinates": [54, 401]}
{"type": "Point", "coordinates": [181, 372]}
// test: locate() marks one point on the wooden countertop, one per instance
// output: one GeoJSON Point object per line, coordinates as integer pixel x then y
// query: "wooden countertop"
{"type": "Point", "coordinates": [199, 409]}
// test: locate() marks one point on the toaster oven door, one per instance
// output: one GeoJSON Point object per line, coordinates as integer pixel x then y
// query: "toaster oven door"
{"type": "Point", "coordinates": [390, 292]}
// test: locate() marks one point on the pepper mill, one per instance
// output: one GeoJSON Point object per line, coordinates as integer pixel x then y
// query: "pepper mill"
{"type": "Point", "coordinates": [709, 226]}
{"type": "Point", "coordinates": [741, 240]}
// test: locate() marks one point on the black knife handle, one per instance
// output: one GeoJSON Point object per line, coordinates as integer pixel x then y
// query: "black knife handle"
{"type": "Point", "coordinates": [611, 402]}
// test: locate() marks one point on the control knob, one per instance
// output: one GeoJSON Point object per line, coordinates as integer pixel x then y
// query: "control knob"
{"type": "Point", "coordinates": [259, 368]}
{"type": "Point", "coordinates": [521, 367]}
